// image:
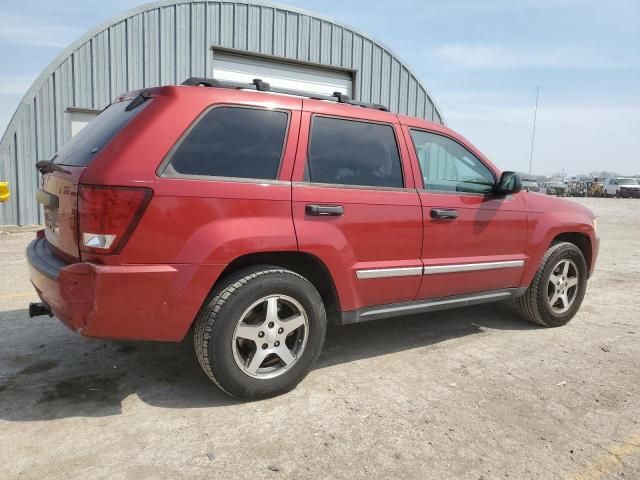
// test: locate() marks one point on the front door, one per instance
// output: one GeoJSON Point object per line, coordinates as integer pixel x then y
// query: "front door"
{"type": "Point", "coordinates": [473, 241]}
{"type": "Point", "coordinates": [355, 206]}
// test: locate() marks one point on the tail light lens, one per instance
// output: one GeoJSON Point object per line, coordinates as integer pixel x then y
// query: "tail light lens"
{"type": "Point", "coordinates": [107, 216]}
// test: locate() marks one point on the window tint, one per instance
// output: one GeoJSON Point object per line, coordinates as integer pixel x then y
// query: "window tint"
{"type": "Point", "coordinates": [448, 166]}
{"type": "Point", "coordinates": [91, 140]}
{"type": "Point", "coordinates": [348, 152]}
{"type": "Point", "coordinates": [233, 142]}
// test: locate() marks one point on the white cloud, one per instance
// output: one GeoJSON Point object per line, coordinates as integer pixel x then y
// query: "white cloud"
{"type": "Point", "coordinates": [578, 139]}
{"type": "Point", "coordinates": [495, 56]}
{"type": "Point", "coordinates": [23, 30]}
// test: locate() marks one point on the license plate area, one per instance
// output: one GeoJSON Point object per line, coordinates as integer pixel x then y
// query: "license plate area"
{"type": "Point", "coordinates": [51, 219]}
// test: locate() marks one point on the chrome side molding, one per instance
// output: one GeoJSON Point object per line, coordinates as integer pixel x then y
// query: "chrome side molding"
{"type": "Point", "coordinates": [388, 272]}
{"type": "Point", "coordinates": [435, 269]}
{"type": "Point", "coordinates": [470, 267]}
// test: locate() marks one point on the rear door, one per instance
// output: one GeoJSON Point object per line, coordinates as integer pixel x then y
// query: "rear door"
{"type": "Point", "coordinates": [355, 206]}
{"type": "Point", "coordinates": [474, 241]}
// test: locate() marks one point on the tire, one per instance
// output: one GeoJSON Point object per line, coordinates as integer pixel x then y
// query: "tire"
{"type": "Point", "coordinates": [535, 305]}
{"type": "Point", "coordinates": [245, 297]}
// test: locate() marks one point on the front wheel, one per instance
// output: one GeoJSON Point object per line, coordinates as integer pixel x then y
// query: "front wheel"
{"type": "Point", "coordinates": [558, 288]}
{"type": "Point", "coordinates": [260, 332]}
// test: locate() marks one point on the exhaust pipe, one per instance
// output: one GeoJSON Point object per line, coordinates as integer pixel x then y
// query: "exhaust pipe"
{"type": "Point", "coordinates": [38, 309]}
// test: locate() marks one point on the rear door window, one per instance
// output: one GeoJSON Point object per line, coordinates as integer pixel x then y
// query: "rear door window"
{"type": "Point", "coordinates": [350, 152]}
{"type": "Point", "coordinates": [91, 140]}
{"type": "Point", "coordinates": [232, 142]}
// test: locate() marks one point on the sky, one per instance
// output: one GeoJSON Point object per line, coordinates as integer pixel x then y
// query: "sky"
{"type": "Point", "coordinates": [481, 61]}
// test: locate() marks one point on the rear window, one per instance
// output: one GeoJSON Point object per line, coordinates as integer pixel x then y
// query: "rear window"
{"type": "Point", "coordinates": [232, 142]}
{"type": "Point", "coordinates": [350, 152]}
{"type": "Point", "coordinates": [91, 140]}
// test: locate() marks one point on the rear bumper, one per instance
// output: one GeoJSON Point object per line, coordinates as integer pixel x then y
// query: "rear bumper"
{"type": "Point", "coordinates": [137, 302]}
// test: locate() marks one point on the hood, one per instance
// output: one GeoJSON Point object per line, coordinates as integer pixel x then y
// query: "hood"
{"type": "Point", "coordinates": [546, 203]}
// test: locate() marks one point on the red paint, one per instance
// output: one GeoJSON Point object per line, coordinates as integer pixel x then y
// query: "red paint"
{"type": "Point", "coordinates": [192, 229]}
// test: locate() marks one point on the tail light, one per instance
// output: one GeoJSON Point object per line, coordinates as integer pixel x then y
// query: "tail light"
{"type": "Point", "coordinates": [107, 216]}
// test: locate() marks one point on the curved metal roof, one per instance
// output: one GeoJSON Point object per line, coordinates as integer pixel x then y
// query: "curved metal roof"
{"type": "Point", "coordinates": [167, 41]}
{"type": "Point", "coordinates": [67, 52]}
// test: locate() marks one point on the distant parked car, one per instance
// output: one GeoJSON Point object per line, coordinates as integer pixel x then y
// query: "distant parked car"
{"type": "Point", "coordinates": [558, 189]}
{"type": "Point", "coordinates": [622, 187]}
{"type": "Point", "coordinates": [530, 186]}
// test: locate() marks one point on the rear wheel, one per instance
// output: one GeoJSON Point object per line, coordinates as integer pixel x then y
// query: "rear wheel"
{"type": "Point", "coordinates": [557, 290]}
{"type": "Point", "coordinates": [260, 332]}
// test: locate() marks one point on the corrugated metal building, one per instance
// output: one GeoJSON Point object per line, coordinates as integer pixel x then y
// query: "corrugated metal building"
{"type": "Point", "coordinates": [168, 41]}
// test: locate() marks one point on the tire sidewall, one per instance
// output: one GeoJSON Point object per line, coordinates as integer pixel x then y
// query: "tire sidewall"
{"type": "Point", "coordinates": [220, 344]}
{"type": "Point", "coordinates": [570, 252]}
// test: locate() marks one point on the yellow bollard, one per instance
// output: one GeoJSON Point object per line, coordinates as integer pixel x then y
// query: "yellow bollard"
{"type": "Point", "coordinates": [5, 193]}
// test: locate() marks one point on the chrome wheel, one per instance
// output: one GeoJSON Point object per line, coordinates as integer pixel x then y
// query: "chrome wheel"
{"type": "Point", "coordinates": [562, 288]}
{"type": "Point", "coordinates": [270, 336]}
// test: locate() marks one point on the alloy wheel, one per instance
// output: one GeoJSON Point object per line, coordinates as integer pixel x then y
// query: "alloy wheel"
{"type": "Point", "coordinates": [270, 336]}
{"type": "Point", "coordinates": [562, 288]}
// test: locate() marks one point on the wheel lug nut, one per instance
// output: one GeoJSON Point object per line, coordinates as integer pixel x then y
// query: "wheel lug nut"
{"type": "Point", "coordinates": [264, 346]}
{"type": "Point", "coordinates": [277, 344]}
{"type": "Point", "coordinates": [260, 334]}
{"type": "Point", "coordinates": [280, 330]}
{"type": "Point", "coordinates": [270, 324]}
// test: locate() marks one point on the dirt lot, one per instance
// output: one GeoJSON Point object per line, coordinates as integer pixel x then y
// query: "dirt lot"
{"type": "Point", "coordinates": [475, 393]}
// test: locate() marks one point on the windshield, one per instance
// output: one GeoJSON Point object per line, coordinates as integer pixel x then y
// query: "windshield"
{"type": "Point", "coordinates": [89, 142]}
{"type": "Point", "coordinates": [627, 181]}
{"type": "Point", "coordinates": [557, 185]}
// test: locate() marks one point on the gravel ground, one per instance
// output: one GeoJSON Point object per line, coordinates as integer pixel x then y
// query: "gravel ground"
{"type": "Point", "coordinates": [475, 393]}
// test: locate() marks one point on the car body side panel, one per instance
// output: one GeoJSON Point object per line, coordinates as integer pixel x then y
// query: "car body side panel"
{"type": "Point", "coordinates": [380, 228]}
{"type": "Point", "coordinates": [488, 229]}
{"type": "Point", "coordinates": [199, 220]}
{"type": "Point", "coordinates": [193, 225]}
{"type": "Point", "coordinates": [550, 217]}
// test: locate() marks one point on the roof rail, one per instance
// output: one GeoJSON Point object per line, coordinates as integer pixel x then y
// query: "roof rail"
{"type": "Point", "coordinates": [262, 86]}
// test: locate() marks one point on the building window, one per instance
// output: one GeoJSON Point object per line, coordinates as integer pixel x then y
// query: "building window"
{"type": "Point", "coordinates": [78, 118]}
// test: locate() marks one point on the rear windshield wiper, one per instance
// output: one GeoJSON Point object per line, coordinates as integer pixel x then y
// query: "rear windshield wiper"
{"type": "Point", "coordinates": [47, 166]}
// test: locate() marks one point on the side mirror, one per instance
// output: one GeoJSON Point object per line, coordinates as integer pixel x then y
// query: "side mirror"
{"type": "Point", "coordinates": [509, 183]}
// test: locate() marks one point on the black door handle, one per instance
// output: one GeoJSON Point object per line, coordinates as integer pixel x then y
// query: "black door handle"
{"type": "Point", "coordinates": [444, 213]}
{"type": "Point", "coordinates": [324, 210]}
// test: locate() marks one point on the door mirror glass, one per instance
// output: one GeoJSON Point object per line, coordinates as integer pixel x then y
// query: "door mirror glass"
{"type": "Point", "coordinates": [510, 182]}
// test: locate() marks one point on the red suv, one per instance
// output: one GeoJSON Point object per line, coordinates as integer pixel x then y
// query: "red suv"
{"type": "Point", "coordinates": [253, 216]}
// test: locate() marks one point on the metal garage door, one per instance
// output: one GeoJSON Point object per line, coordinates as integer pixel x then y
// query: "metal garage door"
{"type": "Point", "coordinates": [305, 78]}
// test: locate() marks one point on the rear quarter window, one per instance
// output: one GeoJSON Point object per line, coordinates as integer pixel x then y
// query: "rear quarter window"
{"type": "Point", "coordinates": [91, 140]}
{"type": "Point", "coordinates": [233, 142]}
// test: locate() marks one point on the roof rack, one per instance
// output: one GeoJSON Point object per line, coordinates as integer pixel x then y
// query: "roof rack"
{"type": "Point", "coordinates": [262, 86]}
